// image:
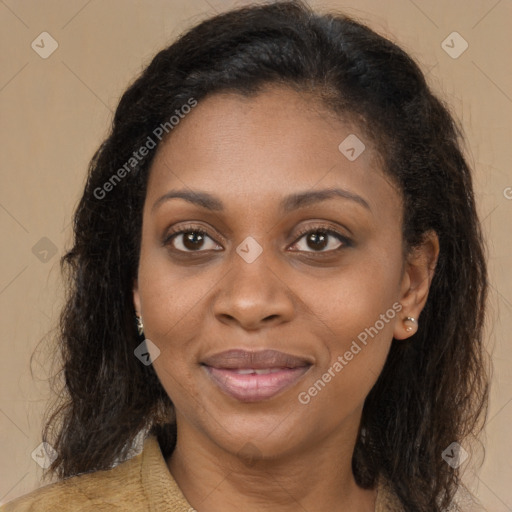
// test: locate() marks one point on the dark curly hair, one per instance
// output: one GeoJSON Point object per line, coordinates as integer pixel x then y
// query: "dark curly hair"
{"type": "Point", "coordinates": [433, 389]}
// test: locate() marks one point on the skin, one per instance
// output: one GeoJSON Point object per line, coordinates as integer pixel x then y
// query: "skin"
{"type": "Point", "coordinates": [305, 299]}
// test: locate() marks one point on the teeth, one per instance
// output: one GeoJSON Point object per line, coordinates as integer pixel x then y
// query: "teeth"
{"type": "Point", "coordinates": [262, 371]}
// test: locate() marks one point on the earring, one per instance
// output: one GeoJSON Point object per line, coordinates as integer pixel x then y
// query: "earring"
{"type": "Point", "coordinates": [411, 324]}
{"type": "Point", "coordinates": [140, 325]}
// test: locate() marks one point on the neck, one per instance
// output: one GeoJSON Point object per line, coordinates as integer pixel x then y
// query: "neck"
{"type": "Point", "coordinates": [318, 477]}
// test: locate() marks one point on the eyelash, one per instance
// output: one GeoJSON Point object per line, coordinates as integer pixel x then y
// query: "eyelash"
{"type": "Point", "coordinates": [345, 242]}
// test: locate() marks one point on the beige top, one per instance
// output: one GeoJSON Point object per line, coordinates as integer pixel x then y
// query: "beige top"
{"type": "Point", "coordinates": [142, 483]}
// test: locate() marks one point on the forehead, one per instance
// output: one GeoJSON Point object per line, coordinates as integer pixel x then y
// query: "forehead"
{"type": "Point", "coordinates": [250, 150]}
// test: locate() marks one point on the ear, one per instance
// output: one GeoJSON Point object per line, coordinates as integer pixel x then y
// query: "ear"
{"type": "Point", "coordinates": [418, 274]}
{"type": "Point", "coordinates": [136, 297]}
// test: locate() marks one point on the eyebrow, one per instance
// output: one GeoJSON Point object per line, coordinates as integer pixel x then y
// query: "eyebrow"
{"type": "Point", "coordinates": [288, 204]}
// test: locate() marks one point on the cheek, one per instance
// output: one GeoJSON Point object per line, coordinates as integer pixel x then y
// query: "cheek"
{"type": "Point", "coordinates": [172, 309]}
{"type": "Point", "coordinates": [171, 300]}
{"type": "Point", "coordinates": [357, 297]}
{"type": "Point", "coordinates": [357, 310]}
{"type": "Point", "coordinates": [176, 378]}
{"type": "Point", "coordinates": [355, 348]}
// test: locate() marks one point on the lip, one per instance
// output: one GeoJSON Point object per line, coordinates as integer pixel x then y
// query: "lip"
{"type": "Point", "coordinates": [277, 371]}
{"type": "Point", "coordinates": [243, 359]}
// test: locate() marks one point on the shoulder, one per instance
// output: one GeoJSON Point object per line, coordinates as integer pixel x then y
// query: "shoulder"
{"type": "Point", "coordinates": [138, 484]}
{"type": "Point", "coordinates": [116, 489]}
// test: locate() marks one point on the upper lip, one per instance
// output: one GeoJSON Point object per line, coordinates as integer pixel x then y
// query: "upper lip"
{"type": "Point", "coordinates": [244, 359]}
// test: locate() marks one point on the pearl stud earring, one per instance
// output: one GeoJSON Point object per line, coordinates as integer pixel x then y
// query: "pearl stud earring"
{"type": "Point", "coordinates": [411, 324]}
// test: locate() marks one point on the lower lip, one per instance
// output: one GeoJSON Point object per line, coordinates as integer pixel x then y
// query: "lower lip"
{"type": "Point", "coordinates": [253, 387]}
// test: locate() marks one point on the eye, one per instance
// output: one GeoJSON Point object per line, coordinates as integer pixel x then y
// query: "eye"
{"type": "Point", "coordinates": [191, 239]}
{"type": "Point", "coordinates": [320, 238]}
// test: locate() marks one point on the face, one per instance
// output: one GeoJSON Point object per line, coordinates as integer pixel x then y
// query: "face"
{"type": "Point", "coordinates": [266, 260]}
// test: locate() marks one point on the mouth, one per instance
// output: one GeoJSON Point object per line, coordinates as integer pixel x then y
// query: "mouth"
{"type": "Point", "coordinates": [255, 376]}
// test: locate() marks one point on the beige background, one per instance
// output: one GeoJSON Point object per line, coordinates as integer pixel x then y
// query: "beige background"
{"type": "Point", "coordinates": [55, 111]}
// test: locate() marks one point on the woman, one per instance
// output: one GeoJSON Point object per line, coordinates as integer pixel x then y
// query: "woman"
{"type": "Point", "coordinates": [277, 284]}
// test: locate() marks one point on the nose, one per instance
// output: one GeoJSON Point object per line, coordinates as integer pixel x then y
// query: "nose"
{"type": "Point", "coordinates": [253, 295]}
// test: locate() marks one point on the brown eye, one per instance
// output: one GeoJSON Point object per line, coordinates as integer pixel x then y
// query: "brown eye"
{"type": "Point", "coordinates": [317, 240]}
{"type": "Point", "coordinates": [191, 240]}
{"type": "Point", "coordinates": [321, 240]}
